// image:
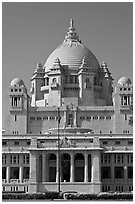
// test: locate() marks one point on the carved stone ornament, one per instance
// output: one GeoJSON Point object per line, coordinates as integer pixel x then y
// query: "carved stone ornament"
{"type": "Point", "coordinates": [65, 142]}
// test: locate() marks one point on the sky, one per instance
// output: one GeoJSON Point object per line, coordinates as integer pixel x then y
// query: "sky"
{"type": "Point", "coordinates": [32, 30]}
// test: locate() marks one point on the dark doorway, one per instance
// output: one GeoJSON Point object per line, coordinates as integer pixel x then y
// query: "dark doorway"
{"type": "Point", "coordinates": [65, 167]}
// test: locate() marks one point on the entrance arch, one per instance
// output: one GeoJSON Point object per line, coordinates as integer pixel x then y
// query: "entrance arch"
{"type": "Point", "coordinates": [65, 167]}
{"type": "Point", "coordinates": [52, 167]}
{"type": "Point", "coordinates": [79, 167]}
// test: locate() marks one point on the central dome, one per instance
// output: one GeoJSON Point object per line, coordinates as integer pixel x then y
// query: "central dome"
{"type": "Point", "coordinates": [71, 53]}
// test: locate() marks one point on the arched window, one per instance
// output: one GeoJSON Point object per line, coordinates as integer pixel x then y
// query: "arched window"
{"type": "Point", "coordinates": [46, 81]}
{"type": "Point", "coordinates": [87, 83]}
{"type": "Point", "coordinates": [54, 80]}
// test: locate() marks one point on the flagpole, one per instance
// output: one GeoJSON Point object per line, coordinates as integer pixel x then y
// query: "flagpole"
{"type": "Point", "coordinates": [58, 150]}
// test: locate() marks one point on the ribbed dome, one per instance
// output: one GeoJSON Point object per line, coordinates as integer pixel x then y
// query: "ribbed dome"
{"type": "Point", "coordinates": [17, 82]}
{"type": "Point", "coordinates": [124, 81]}
{"type": "Point", "coordinates": [71, 53]}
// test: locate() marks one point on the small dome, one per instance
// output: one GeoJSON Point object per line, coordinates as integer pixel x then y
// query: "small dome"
{"type": "Point", "coordinates": [17, 82]}
{"type": "Point", "coordinates": [124, 81]}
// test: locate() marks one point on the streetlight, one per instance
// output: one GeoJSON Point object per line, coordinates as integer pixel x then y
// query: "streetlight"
{"type": "Point", "coordinates": [59, 118]}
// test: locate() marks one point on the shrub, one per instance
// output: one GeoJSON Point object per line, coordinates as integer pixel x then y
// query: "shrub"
{"type": "Point", "coordinates": [100, 196]}
{"type": "Point", "coordinates": [33, 196]}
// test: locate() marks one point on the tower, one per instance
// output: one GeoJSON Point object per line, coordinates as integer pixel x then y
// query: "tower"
{"type": "Point", "coordinates": [37, 81]}
{"type": "Point", "coordinates": [86, 77]}
{"type": "Point", "coordinates": [123, 103]}
{"type": "Point", "coordinates": [19, 102]}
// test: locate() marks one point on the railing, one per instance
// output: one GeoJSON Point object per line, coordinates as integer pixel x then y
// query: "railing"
{"type": "Point", "coordinates": [14, 181]}
{"type": "Point", "coordinates": [119, 180]}
{"type": "Point", "coordinates": [25, 180]}
{"type": "Point", "coordinates": [108, 180]}
{"type": "Point", "coordinates": [4, 180]}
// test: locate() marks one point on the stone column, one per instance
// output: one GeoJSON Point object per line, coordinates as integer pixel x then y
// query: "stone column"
{"type": "Point", "coordinates": [125, 168]}
{"type": "Point", "coordinates": [57, 167]}
{"type": "Point", "coordinates": [72, 167]}
{"type": "Point", "coordinates": [43, 167]}
{"type": "Point", "coordinates": [8, 174]}
{"type": "Point", "coordinates": [112, 168]}
{"type": "Point", "coordinates": [96, 167]}
{"type": "Point", "coordinates": [8, 169]}
{"type": "Point", "coordinates": [21, 174]}
{"type": "Point", "coordinates": [34, 171]}
{"type": "Point", "coordinates": [86, 167]}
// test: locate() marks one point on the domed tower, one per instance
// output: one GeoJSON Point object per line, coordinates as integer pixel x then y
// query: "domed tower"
{"type": "Point", "coordinates": [123, 102]}
{"type": "Point", "coordinates": [19, 101]}
{"type": "Point", "coordinates": [78, 66]}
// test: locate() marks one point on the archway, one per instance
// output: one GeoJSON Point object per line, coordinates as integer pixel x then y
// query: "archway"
{"type": "Point", "coordinates": [65, 167]}
{"type": "Point", "coordinates": [52, 167]}
{"type": "Point", "coordinates": [79, 167]}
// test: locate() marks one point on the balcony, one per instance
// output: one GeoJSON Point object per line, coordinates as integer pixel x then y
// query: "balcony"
{"type": "Point", "coordinates": [107, 180]}
{"type": "Point", "coordinates": [119, 180]}
{"type": "Point", "coordinates": [54, 86]}
{"type": "Point", "coordinates": [71, 86]}
{"type": "Point", "coordinates": [14, 181]}
{"type": "Point", "coordinates": [25, 180]}
{"type": "Point", "coordinates": [45, 89]}
{"type": "Point", "coordinates": [4, 180]}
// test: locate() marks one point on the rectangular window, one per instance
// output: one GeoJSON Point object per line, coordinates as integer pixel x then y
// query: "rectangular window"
{"type": "Point", "coordinates": [15, 118]}
{"type": "Point", "coordinates": [52, 118]}
{"type": "Point", "coordinates": [105, 142]}
{"type": "Point", "coordinates": [119, 172]}
{"type": "Point", "coordinates": [101, 117]}
{"type": "Point", "coordinates": [95, 117]}
{"type": "Point", "coordinates": [32, 118]}
{"type": "Point", "coordinates": [4, 143]}
{"type": "Point", "coordinates": [16, 143]}
{"type": "Point", "coordinates": [125, 116]}
{"type": "Point", "coordinates": [39, 118]}
{"type": "Point", "coordinates": [108, 117]}
{"type": "Point", "coordinates": [130, 172]}
{"type": "Point", "coordinates": [28, 143]}
{"type": "Point", "coordinates": [125, 100]}
{"type": "Point", "coordinates": [105, 172]}
{"type": "Point", "coordinates": [117, 142]}
{"type": "Point", "coordinates": [45, 118]}
{"type": "Point", "coordinates": [130, 142]}
{"type": "Point", "coordinates": [27, 159]}
{"type": "Point", "coordinates": [82, 118]}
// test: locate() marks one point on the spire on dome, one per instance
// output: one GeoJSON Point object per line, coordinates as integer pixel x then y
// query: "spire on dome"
{"type": "Point", "coordinates": [72, 36]}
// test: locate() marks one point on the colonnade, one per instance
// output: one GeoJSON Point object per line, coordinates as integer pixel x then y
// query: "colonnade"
{"type": "Point", "coordinates": [35, 172]}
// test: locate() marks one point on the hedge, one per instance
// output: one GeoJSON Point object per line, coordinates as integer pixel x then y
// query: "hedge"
{"type": "Point", "coordinates": [67, 196]}
{"type": "Point", "coordinates": [100, 196]}
{"type": "Point", "coordinates": [35, 196]}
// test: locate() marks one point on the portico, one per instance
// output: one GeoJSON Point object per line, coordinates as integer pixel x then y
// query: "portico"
{"type": "Point", "coordinates": [76, 167]}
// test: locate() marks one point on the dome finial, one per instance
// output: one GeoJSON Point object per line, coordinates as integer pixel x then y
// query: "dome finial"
{"type": "Point", "coordinates": [71, 23]}
{"type": "Point", "coordinates": [71, 34]}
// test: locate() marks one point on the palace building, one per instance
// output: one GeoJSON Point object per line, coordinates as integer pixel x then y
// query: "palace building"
{"type": "Point", "coordinates": [74, 131]}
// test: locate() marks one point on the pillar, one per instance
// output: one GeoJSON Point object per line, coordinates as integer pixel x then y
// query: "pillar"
{"type": "Point", "coordinates": [86, 167]}
{"type": "Point", "coordinates": [8, 174]}
{"type": "Point", "coordinates": [72, 167]}
{"type": "Point", "coordinates": [96, 167]}
{"type": "Point", "coordinates": [8, 169]}
{"type": "Point", "coordinates": [112, 168]}
{"type": "Point", "coordinates": [43, 167]}
{"type": "Point", "coordinates": [125, 168]}
{"type": "Point", "coordinates": [34, 171]}
{"type": "Point", "coordinates": [57, 168]}
{"type": "Point", "coordinates": [21, 174]}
